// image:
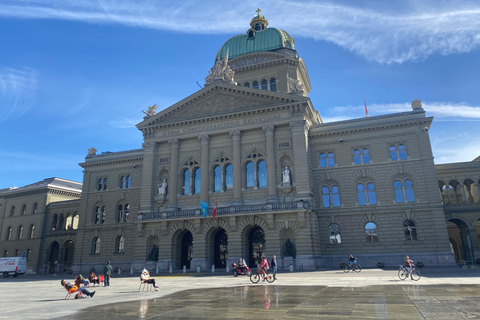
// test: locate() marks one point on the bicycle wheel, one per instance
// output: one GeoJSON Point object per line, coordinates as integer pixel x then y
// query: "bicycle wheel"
{"type": "Point", "coordinates": [255, 277]}
{"type": "Point", "coordinates": [357, 268]}
{"type": "Point", "coordinates": [346, 268]}
{"type": "Point", "coordinates": [416, 275]}
{"type": "Point", "coordinates": [270, 277]}
{"type": "Point", "coordinates": [402, 274]}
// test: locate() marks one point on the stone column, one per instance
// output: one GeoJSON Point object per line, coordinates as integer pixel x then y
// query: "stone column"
{"type": "Point", "coordinates": [205, 140]}
{"type": "Point", "coordinates": [301, 176]}
{"type": "Point", "coordinates": [237, 168]}
{"type": "Point", "coordinates": [478, 192]}
{"type": "Point", "coordinates": [464, 196]}
{"type": "Point", "coordinates": [474, 243]}
{"type": "Point", "coordinates": [466, 245]}
{"type": "Point", "coordinates": [271, 172]}
{"type": "Point", "coordinates": [173, 190]}
{"type": "Point", "coordinates": [448, 195]}
{"type": "Point", "coordinates": [147, 194]}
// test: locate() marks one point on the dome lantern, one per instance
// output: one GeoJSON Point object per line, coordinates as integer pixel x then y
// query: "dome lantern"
{"type": "Point", "coordinates": [258, 23]}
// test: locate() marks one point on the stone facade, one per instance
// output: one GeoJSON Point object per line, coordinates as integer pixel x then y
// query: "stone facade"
{"type": "Point", "coordinates": [279, 180]}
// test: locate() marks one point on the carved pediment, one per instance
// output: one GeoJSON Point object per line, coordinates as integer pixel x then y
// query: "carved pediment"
{"type": "Point", "coordinates": [217, 100]}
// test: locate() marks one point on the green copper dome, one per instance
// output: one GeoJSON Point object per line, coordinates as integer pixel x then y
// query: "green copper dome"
{"type": "Point", "coordinates": [258, 38]}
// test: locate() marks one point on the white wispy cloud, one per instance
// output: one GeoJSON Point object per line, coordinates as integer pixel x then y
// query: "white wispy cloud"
{"type": "Point", "coordinates": [394, 32]}
{"type": "Point", "coordinates": [450, 147]}
{"type": "Point", "coordinates": [440, 110]}
{"type": "Point", "coordinates": [17, 92]}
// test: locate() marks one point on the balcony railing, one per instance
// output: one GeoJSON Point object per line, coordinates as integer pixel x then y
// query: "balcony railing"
{"type": "Point", "coordinates": [223, 211]}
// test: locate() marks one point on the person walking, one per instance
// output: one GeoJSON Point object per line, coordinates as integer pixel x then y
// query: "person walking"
{"type": "Point", "coordinates": [107, 271]}
{"type": "Point", "coordinates": [274, 265]}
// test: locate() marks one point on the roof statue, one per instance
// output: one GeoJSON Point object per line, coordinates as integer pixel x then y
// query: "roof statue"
{"type": "Point", "coordinates": [151, 110]}
{"type": "Point", "coordinates": [92, 151]}
{"type": "Point", "coordinates": [220, 71]}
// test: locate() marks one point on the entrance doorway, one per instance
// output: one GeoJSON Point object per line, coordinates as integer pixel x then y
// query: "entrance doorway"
{"type": "Point", "coordinates": [256, 246]}
{"type": "Point", "coordinates": [69, 253]}
{"type": "Point", "coordinates": [220, 251]}
{"type": "Point", "coordinates": [53, 256]}
{"type": "Point", "coordinates": [187, 249]}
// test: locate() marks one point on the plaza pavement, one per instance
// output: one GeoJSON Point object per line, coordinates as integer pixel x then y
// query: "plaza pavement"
{"type": "Point", "coordinates": [42, 296]}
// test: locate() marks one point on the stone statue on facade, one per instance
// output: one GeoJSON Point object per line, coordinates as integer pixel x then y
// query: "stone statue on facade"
{"type": "Point", "coordinates": [162, 187]}
{"type": "Point", "coordinates": [289, 249]}
{"type": "Point", "coordinates": [220, 71]}
{"type": "Point", "coordinates": [153, 256]}
{"type": "Point", "coordinates": [151, 110]}
{"type": "Point", "coordinates": [286, 175]}
{"type": "Point", "coordinates": [92, 151]}
{"type": "Point", "coordinates": [297, 86]}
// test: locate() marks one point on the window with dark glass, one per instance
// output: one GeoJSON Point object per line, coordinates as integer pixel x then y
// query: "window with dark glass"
{"type": "Point", "coordinates": [96, 245]}
{"type": "Point", "coordinates": [128, 182]}
{"type": "Point", "coordinates": [197, 179]}
{"type": "Point", "coordinates": [262, 174]}
{"type": "Point", "coordinates": [217, 178]}
{"type": "Point", "coordinates": [20, 232]}
{"type": "Point", "coordinates": [12, 212]}
{"type": "Point", "coordinates": [122, 182]}
{"type": "Point", "coordinates": [264, 85]}
{"type": "Point", "coordinates": [120, 244]}
{"type": "Point", "coordinates": [186, 182]}
{"type": "Point", "coordinates": [35, 208]}
{"type": "Point", "coordinates": [335, 234]}
{"type": "Point", "coordinates": [32, 231]}
{"type": "Point", "coordinates": [247, 84]}
{"type": "Point", "coordinates": [410, 230]}
{"type": "Point", "coordinates": [24, 209]}
{"type": "Point", "coordinates": [229, 176]}
{"type": "Point", "coordinates": [273, 85]}
{"type": "Point", "coordinates": [9, 233]}
{"type": "Point", "coordinates": [371, 231]}
{"type": "Point", "coordinates": [250, 175]}
{"type": "Point", "coordinates": [255, 85]}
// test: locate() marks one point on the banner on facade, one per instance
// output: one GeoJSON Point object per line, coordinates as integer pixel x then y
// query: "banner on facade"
{"type": "Point", "coordinates": [204, 207]}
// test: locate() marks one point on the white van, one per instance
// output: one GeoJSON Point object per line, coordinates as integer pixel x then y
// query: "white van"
{"type": "Point", "coordinates": [13, 266]}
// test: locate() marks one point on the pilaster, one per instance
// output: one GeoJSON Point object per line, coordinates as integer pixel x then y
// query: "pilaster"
{"type": "Point", "coordinates": [237, 167]}
{"type": "Point", "coordinates": [301, 163]}
{"type": "Point", "coordinates": [173, 192]}
{"type": "Point", "coordinates": [205, 141]}
{"type": "Point", "coordinates": [271, 175]}
{"type": "Point", "coordinates": [146, 196]}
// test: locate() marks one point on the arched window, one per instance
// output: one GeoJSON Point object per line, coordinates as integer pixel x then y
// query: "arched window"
{"type": "Point", "coordinates": [217, 179]}
{"type": "Point", "coordinates": [5, 253]}
{"type": "Point", "coordinates": [29, 251]}
{"type": "Point", "coordinates": [96, 245]}
{"type": "Point", "coordinates": [99, 215]}
{"type": "Point", "coordinates": [229, 176]}
{"type": "Point", "coordinates": [331, 159]}
{"type": "Point", "coordinates": [123, 212]}
{"type": "Point", "coordinates": [398, 153]}
{"type": "Point", "coordinates": [8, 233]}
{"type": "Point", "coordinates": [365, 156]}
{"type": "Point", "coordinates": [357, 158]}
{"type": "Point", "coordinates": [68, 221]}
{"type": "Point", "coordinates": [61, 222]}
{"type": "Point", "coordinates": [20, 232]}
{"type": "Point", "coordinates": [24, 209]}
{"type": "Point", "coordinates": [35, 206]}
{"type": "Point", "coordinates": [102, 184]}
{"type": "Point", "coordinates": [17, 253]}
{"type": "Point", "coordinates": [247, 84]}
{"type": "Point", "coordinates": [197, 179]}
{"type": "Point", "coordinates": [186, 181]}
{"type": "Point", "coordinates": [120, 244]}
{"type": "Point", "coordinates": [262, 174]}
{"type": "Point", "coordinates": [403, 191]}
{"type": "Point", "coordinates": [372, 197]}
{"type": "Point", "coordinates": [191, 178]}
{"type": "Point", "coordinates": [410, 230]}
{"type": "Point", "coordinates": [250, 175]}
{"type": "Point", "coordinates": [129, 180]}
{"type": "Point", "coordinates": [54, 222]}
{"type": "Point", "coordinates": [264, 85]}
{"type": "Point", "coordinates": [12, 212]}
{"type": "Point", "coordinates": [122, 182]}
{"type": "Point", "coordinates": [331, 197]}
{"type": "Point", "coordinates": [366, 194]}
{"type": "Point", "coordinates": [75, 221]}
{"type": "Point", "coordinates": [273, 85]}
{"type": "Point", "coordinates": [371, 231]}
{"type": "Point", "coordinates": [335, 234]}
{"type": "Point", "coordinates": [255, 85]}
{"type": "Point", "coordinates": [32, 231]}
{"type": "Point", "coordinates": [323, 160]}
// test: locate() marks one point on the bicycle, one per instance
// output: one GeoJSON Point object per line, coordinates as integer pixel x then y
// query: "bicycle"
{"type": "Point", "coordinates": [355, 267]}
{"type": "Point", "coordinates": [403, 273]}
{"type": "Point", "coordinates": [255, 277]}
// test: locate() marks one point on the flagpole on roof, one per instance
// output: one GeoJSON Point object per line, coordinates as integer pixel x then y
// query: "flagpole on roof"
{"type": "Point", "coordinates": [366, 110]}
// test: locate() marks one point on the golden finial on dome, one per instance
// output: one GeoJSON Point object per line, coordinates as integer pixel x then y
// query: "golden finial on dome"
{"type": "Point", "coordinates": [258, 11]}
{"type": "Point", "coordinates": [258, 22]}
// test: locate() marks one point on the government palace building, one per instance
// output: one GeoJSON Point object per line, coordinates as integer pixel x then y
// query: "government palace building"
{"type": "Point", "coordinates": [274, 179]}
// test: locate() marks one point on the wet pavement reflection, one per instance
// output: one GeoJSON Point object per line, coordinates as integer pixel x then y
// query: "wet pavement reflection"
{"type": "Point", "coordinates": [302, 302]}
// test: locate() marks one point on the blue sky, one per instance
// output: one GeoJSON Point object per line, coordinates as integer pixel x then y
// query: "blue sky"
{"type": "Point", "coordinates": [76, 74]}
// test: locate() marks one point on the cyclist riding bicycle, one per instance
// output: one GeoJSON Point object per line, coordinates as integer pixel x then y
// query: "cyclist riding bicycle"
{"type": "Point", "coordinates": [241, 265]}
{"type": "Point", "coordinates": [263, 267]}
{"type": "Point", "coordinates": [352, 260]}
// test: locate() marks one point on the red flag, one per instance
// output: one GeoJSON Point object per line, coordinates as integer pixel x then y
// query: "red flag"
{"type": "Point", "coordinates": [215, 209]}
{"type": "Point", "coordinates": [366, 111]}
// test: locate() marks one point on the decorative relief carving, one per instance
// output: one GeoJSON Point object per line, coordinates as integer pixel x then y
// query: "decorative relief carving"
{"type": "Point", "coordinates": [151, 110]}
{"type": "Point", "coordinates": [92, 151]}
{"type": "Point", "coordinates": [236, 134]}
{"type": "Point", "coordinates": [220, 71]}
{"type": "Point", "coordinates": [148, 146]}
{"type": "Point", "coordinates": [174, 143]}
{"type": "Point", "coordinates": [269, 129]}
{"type": "Point", "coordinates": [205, 138]}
